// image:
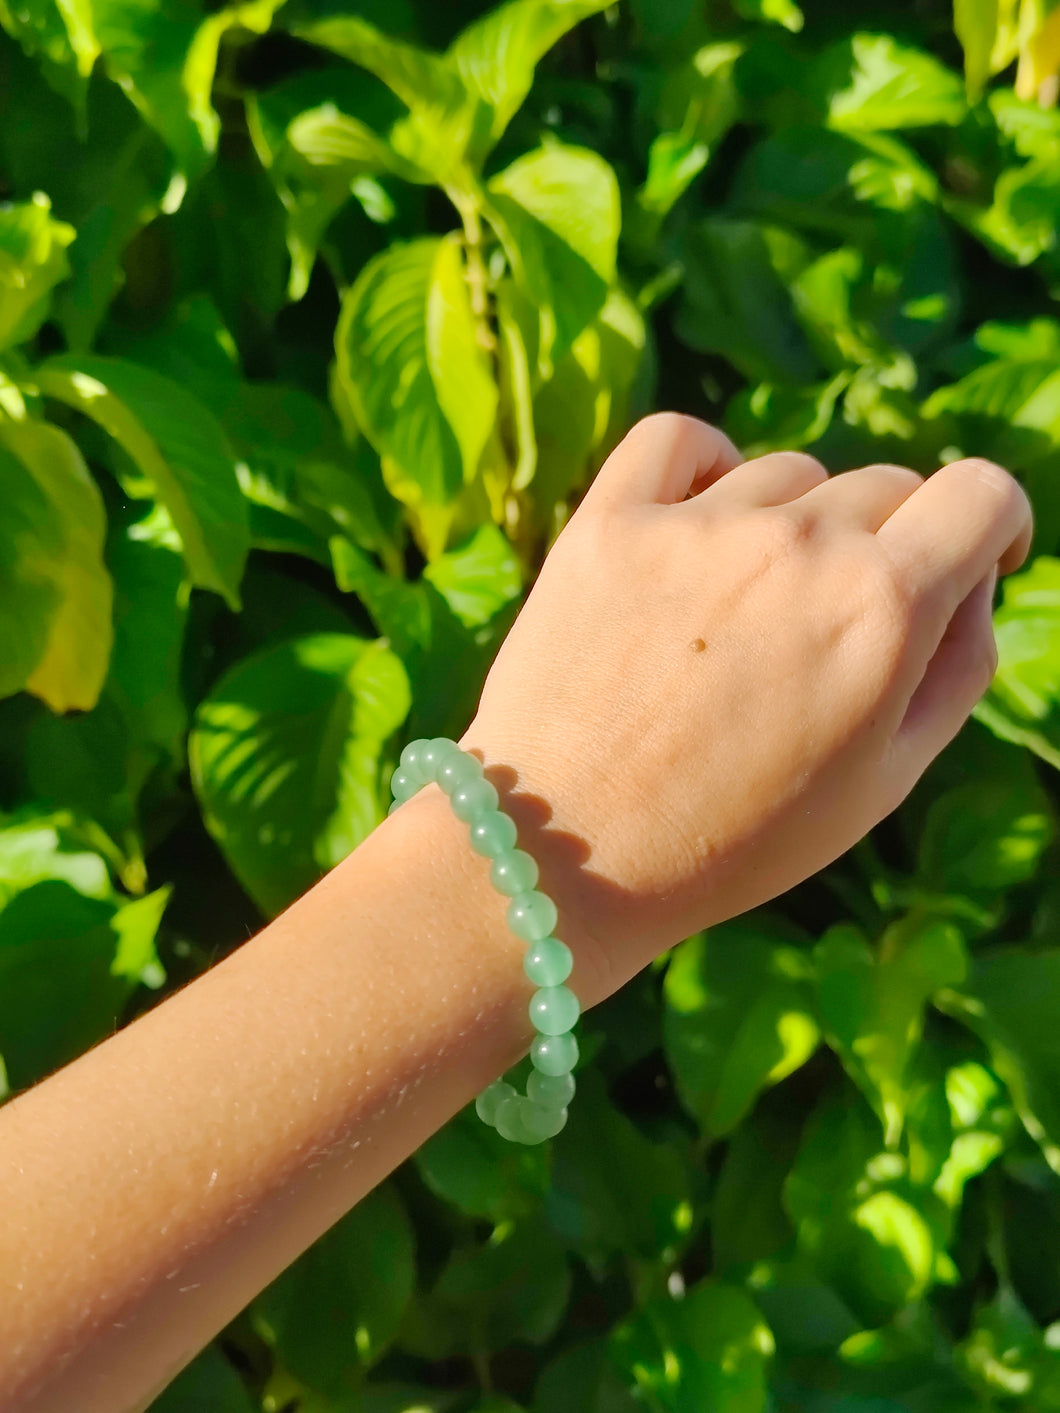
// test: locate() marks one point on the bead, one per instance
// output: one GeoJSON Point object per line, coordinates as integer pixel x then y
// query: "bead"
{"type": "Point", "coordinates": [554, 1054]}
{"type": "Point", "coordinates": [412, 759]}
{"type": "Point", "coordinates": [543, 1123]}
{"type": "Point", "coordinates": [550, 1091]}
{"type": "Point", "coordinates": [492, 834]}
{"type": "Point", "coordinates": [532, 916]}
{"type": "Point", "coordinates": [395, 806]}
{"type": "Point", "coordinates": [513, 872]}
{"type": "Point", "coordinates": [548, 962]}
{"type": "Point", "coordinates": [436, 753]}
{"type": "Point", "coordinates": [554, 1010]}
{"type": "Point", "coordinates": [461, 770]}
{"type": "Point", "coordinates": [511, 1122]}
{"type": "Point", "coordinates": [403, 785]}
{"type": "Point", "coordinates": [490, 1100]}
{"type": "Point", "coordinates": [473, 799]}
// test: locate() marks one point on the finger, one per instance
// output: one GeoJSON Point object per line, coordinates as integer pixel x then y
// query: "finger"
{"type": "Point", "coordinates": [949, 534]}
{"type": "Point", "coordinates": [774, 479]}
{"type": "Point", "coordinates": [864, 498]}
{"type": "Point", "coordinates": [958, 674]}
{"type": "Point", "coordinates": [662, 459]}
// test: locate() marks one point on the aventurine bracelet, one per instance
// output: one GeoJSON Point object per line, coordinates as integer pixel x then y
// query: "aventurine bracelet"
{"type": "Point", "coordinates": [542, 1111]}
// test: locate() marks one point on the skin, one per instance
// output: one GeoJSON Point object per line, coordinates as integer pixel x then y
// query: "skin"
{"type": "Point", "coordinates": [726, 674]}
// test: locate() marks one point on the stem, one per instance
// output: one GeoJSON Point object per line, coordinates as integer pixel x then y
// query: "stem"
{"type": "Point", "coordinates": [478, 280]}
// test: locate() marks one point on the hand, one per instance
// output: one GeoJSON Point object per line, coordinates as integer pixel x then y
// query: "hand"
{"type": "Point", "coordinates": [728, 672]}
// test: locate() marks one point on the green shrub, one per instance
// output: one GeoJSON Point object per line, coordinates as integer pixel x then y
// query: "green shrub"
{"type": "Point", "coordinates": [314, 326]}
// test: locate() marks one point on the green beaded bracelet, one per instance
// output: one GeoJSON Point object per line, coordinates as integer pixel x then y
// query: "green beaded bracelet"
{"type": "Point", "coordinates": [542, 1112]}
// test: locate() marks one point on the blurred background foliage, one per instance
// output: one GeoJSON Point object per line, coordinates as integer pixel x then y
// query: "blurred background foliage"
{"type": "Point", "coordinates": [316, 319]}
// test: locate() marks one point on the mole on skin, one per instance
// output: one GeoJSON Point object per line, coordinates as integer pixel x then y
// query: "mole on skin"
{"type": "Point", "coordinates": [697, 645]}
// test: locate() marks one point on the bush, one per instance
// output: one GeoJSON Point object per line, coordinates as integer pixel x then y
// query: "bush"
{"type": "Point", "coordinates": [314, 326]}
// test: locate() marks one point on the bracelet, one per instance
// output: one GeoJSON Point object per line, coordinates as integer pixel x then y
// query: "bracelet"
{"type": "Point", "coordinates": [542, 1112]}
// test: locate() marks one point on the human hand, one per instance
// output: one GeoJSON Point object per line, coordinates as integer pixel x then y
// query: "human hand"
{"type": "Point", "coordinates": [728, 672]}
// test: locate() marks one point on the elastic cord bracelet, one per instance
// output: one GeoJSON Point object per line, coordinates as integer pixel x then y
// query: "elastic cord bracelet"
{"type": "Point", "coordinates": [542, 1112]}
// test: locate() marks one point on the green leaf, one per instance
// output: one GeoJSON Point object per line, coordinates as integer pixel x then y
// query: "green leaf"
{"type": "Point", "coordinates": [987, 835]}
{"type": "Point", "coordinates": [710, 1349]}
{"type": "Point", "coordinates": [68, 963]}
{"type": "Point", "coordinates": [1023, 703]}
{"type": "Point", "coordinates": [1008, 1001]}
{"type": "Point", "coordinates": [613, 1190]}
{"type": "Point", "coordinates": [60, 33]}
{"type": "Point", "coordinates": [872, 1003]}
{"type": "Point", "coordinates": [584, 1377]}
{"type": "Point", "coordinates": [285, 755]}
{"type": "Point", "coordinates": [870, 82]}
{"type": "Point", "coordinates": [497, 54]}
{"type": "Point", "coordinates": [57, 598]}
{"type": "Point", "coordinates": [855, 1213]}
{"type": "Point", "coordinates": [736, 301]}
{"type": "Point", "coordinates": [469, 1164]}
{"type": "Point", "coordinates": [177, 445]}
{"type": "Point", "coordinates": [209, 1381]}
{"type": "Point", "coordinates": [35, 847]}
{"type": "Point", "coordinates": [739, 1017]}
{"type": "Point", "coordinates": [478, 578]}
{"type": "Point", "coordinates": [975, 24]}
{"type": "Point", "coordinates": [777, 12]}
{"type": "Point", "coordinates": [515, 1286]}
{"type": "Point", "coordinates": [334, 1312]}
{"type": "Point", "coordinates": [748, 1221]}
{"type": "Point", "coordinates": [32, 261]}
{"type": "Point", "coordinates": [426, 405]}
{"type": "Point", "coordinates": [558, 212]}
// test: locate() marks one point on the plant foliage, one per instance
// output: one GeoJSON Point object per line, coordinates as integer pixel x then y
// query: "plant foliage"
{"type": "Point", "coordinates": [315, 322]}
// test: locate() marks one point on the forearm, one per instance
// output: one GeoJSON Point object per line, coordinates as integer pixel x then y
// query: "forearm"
{"type": "Point", "coordinates": [157, 1184]}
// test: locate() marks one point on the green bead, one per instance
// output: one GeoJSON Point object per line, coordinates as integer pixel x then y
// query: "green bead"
{"type": "Point", "coordinates": [550, 1091]}
{"type": "Point", "coordinates": [436, 753]}
{"type": "Point", "coordinates": [548, 962]}
{"type": "Point", "coordinates": [473, 799]}
{"type": "Point", "coordinates": [543, 1123]}
{"type": "Point", "coordinates": [554, 1009]}
{"type": "Point", "coordinates": [513, 872]}
{"type": "Point", "coordinates": [493, 833]}
{"type": "Point", "coordinates": [395, 806]}
{"type": "Point", "coordinates": [511, 1121]}
{"type": "Point", "coordinates": [412, 759]}
{"type": "Point", "coordinates": [461, 770]}
{"type": "Point", "coordinates": [490, 1100]}
{"type": "Point", "coordinates": [403, 785]}
{"type": "Point", "coordinates": [532, 916]}
{"type": "Point", "coordinates": [554, 1054]}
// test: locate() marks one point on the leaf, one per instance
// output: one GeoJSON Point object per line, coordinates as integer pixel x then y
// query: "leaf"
{"type": "Point", "coordinates": [613, 1190]}
{"type": "Point", "coordinates": [738, 1018]}
{"type": "Point", "coordinates": [513, 1287]}
{"type": "Point", "coordinates": [872, 1004]}
{"type": "Point", "coordinates": [870, 82]}
{"type": "Point", "coordinates": [209, 1381]}
{"type": "Point", "coordinates": [584, 1377]}
{"type": "Point", "coordinates": [60, 33]}
{"type": "Point", "coordinates": [497, 54]}
{"type": "Point", "coordinates": [336, 1309]}
{"type": "Point", "coordinates": [1008, 1002]}
{"type": "Point", "coordinates": [736, 300]}
{"type": "Point", "coordinates": [710, 1349]}
{"type": "Point", "coordinates": [411, 399]}
{"type": "Point", "coordinates": [35, 847]}
{"type": "Point", "coordinates": [32, 262]}
{"type": "Point", "coordinates": [558, 213]}
{"type": "Point", "coordinates": [778, 12]}
{"type": "Point", "coordinates": [469, 1164]}
{"type": "Point", "coordinates": [1023, 703]}
{"type": "Point", "coordinates": [975, 24]}
{"type": "Point", "coordinates": [285, 758]}
{"type": "Point", "coordinates": [855, 1213]}
{"type": "Point", "coordinates": [57, 637]}
{"type": "Point", "coordinates": [177, 444]}
{"type": "Point", "coordinates": [987, 835]}
{"type": "Point", "coordinates": [68, 963]}
{"type": "Point", "coordinates": [479, 578]}
{"type": "Point", "coordinates": [748, 1221]}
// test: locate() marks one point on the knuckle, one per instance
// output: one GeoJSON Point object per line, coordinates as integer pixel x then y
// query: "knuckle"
{"type": "Point", "coordinates": [898, 472]}
{"type": "Point", "coordinates": [785, 531]}
{"type": "Point", "coordinates": [994, 479]}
